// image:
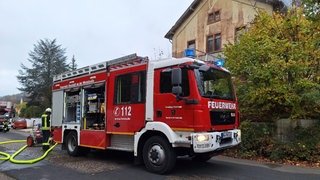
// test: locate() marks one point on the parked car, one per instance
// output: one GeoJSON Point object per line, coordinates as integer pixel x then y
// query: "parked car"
{"type": "Point", "coordinates": [19, 123]}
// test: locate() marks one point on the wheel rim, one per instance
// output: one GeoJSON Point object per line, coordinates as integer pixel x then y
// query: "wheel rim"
{"type": "Point", "coordinates": [72, 143]}
{"type": "Point", "coordinates": [156, 154]}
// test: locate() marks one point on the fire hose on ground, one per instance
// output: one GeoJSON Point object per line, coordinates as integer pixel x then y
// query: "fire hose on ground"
{"type": "Point", "coordinates": [16, 161]}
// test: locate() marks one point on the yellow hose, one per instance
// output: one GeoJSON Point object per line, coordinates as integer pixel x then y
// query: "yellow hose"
{"type": "Point", "coordinates": [13, 141]}
{"type": "Point", "coordinates": [7, 156]}
{"type": "Point", "coordinates": [30, 161]}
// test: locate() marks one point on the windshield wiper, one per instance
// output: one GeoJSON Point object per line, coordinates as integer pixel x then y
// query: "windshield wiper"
{"type": "Point", "coordinates": [211, 97]}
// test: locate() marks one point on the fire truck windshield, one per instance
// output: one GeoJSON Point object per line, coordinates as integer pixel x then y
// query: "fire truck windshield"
{"type": "Point", "coordinates": [214, 84]}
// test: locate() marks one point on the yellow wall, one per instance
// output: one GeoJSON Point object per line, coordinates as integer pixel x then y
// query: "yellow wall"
{"type": "Point", "coordinates": [233, 14]}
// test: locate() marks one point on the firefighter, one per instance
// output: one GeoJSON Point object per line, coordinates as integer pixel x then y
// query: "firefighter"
{"type": "Point", "coordinates": [45, 118]}
{"type": "Point", "coordinates": [6, 124]}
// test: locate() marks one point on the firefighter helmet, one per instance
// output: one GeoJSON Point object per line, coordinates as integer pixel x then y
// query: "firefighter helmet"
{"type": "Point", "coordinates": [48, 110]}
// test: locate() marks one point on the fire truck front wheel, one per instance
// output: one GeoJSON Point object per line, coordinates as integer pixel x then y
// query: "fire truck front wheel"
{"type": "Point", "coordinates": [158, 155]}
{"type": "Point", "coordinates": [72, 144]}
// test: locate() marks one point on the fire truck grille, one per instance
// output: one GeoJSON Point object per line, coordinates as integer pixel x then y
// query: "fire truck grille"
{"type": "Point", "coordinates": [222, 117]}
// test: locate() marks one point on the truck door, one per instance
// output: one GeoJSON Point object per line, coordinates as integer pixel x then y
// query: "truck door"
{"type": "Point", "coordinates": [177, 114]}
{"type": "Point", "coordinates": [126, 105]}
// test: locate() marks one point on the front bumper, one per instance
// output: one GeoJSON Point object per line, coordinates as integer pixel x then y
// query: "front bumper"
{"type": "Point", "coordinates": [215, 140]}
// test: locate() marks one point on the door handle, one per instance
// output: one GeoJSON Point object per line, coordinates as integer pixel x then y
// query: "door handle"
{"type": "Point", "coordinates": [117, 125]}
{"type": "Point", "coordinates": [159, 113]}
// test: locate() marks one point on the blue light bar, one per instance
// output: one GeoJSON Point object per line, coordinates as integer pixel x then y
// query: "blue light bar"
{"type": "Point", "coordinates": [189, 53]}
{"type": "Point", "coordinates": [219, 62]}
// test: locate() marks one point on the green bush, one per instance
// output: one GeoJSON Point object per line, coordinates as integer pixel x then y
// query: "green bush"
{"type": "Point", "coordinates": [304, 147]}
{"type": "Point", "coordinates": [258, 141]}
{"type": "Point", "coordinates": [296, 152]}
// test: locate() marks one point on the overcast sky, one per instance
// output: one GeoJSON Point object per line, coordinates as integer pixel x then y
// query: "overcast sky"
{"type": "Point", "coordinates": [91, 30]}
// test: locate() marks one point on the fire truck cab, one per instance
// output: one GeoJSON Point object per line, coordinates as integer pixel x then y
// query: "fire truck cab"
{"type": "Point", "coordinates": [157, 109]}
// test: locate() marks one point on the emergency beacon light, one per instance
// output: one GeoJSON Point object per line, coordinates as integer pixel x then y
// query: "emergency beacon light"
{"type": "Point", "coordinates": [219, 62]}
{"type": "Point", "coordinates": [189, 52]}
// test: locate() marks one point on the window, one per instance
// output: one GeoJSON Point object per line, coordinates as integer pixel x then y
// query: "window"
{"type": "Point", "coordinates": [210, 18]}
{"type": "Point", "coordinates": [130, 88]}
{"type": "Point", "coordinates": [238, 32]}
{"type": "Point", "coordinates": [213, 43]}
{"type": "Point", "coordinates": [214, 17]}
{"type": "Point", "coordinates": [209, 44]}
{"type": "Point", "coordinates": [166, 86]}
{"type": "Point", "coordinates": [191, 44]}
{"type": "Point", "coordinates": [214, 84]}
{"type": "Point", "coordinates": [217, 42]}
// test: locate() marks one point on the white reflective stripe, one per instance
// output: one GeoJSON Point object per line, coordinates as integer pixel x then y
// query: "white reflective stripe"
{"type": "Point", "coordinates": [149, 93]}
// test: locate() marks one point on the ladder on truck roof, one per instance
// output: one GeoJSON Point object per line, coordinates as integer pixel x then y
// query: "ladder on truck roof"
{"type": "Point", "coordinates": [96, 67]}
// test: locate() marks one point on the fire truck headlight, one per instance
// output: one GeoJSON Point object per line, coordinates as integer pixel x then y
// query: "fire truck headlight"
{"type": "Point", "coordinates": [202, 137]}
{"type": "Point", "coordinates": [237, 134]}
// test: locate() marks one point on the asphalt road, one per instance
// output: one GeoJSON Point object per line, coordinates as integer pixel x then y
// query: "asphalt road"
{"type": "Point", "coordinates": [119, 165]}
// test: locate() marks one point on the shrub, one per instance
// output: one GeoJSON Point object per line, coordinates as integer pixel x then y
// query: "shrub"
{"type": "Point", "coordinates": [258, 141]}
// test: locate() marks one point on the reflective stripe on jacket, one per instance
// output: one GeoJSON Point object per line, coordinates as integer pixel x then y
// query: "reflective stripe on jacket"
{"type": "Point", "coordinates": [45, 122]}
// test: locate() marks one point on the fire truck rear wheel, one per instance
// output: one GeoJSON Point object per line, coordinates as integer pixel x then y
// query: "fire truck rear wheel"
{"type": "Point", "coordinates": [72, 144]}
{"type": "Point", "coordinates": [158, 155]}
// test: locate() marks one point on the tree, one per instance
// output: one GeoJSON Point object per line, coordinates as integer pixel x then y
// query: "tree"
{"type": "Point", "coordinates": [31, 111]}
{"type": "Point", "coordinates": [312, 9]}
{"type": "Point", "coordinates": [20, 107]}
{"type": "Point", "coordinates": [73, 63]}
{"type": "Point", "coordinates": [47, 59]}
{"type": "Point", "coordinates": [277, 67]}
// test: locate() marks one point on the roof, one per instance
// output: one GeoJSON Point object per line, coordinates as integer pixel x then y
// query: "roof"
{"type": "Point", "coordinates": [161, 63]}
{"type": "Point", "coordinates": [183, 18]}
{"type": "Point", "coordinates": [190, 10]}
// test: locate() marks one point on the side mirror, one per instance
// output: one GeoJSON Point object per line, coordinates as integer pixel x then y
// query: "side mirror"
{"type": "Point", "coordinates": [176, 90]}
{"type": "Point", "coordinates": [176, 79]}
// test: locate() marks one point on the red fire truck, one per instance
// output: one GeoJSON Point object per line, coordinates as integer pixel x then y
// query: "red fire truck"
{"type": "Point", "coordinates": [157, 109]}
{"type": "Point", "coordinates": [5, 113]}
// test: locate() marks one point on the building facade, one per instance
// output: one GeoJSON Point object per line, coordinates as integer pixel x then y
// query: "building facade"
{"type": "Point", "coordinates": [207, 25]}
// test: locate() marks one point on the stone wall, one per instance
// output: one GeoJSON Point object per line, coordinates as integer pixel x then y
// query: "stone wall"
{"type": "Point", "coordinates": [285, 127]}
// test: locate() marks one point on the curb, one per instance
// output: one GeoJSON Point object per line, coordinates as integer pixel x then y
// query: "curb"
{"type": "Point", "coordinates": [274, 166]}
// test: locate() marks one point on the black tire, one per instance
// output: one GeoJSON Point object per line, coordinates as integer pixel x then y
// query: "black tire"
{"type": "Point", "coordinates": [158, 155]}
{"type": "Point", "coordinates": [45, 147]}
{"type": "Point", "coordinates": [72, 144]}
